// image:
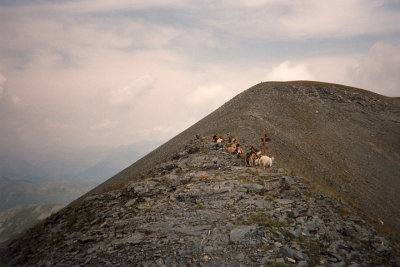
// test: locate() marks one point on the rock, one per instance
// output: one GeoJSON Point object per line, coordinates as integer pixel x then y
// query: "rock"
{"type": "Point", "coordinates": [136, 238]}
{"type": "Point", "coordinates": [292, 253]}
{"type": "Point", "coordinates": [242, 233]}
{"type": "Point", "coordinates": [256, 188]}
{"type": "Point", "coordinates": [131, 202]}
{"type": "Point", "coordinates": [160, 263]}
{"type": "Point", "coordinates": [265, 260]}
{"type": "Point", "coordinates": [310, 227]}
{"type": "Point", "coordinates": [302, 219]}
{"type": "Point", "coordinates": [192, 150]}
{"type": "Point", "coordinates": [240, 257]}
{"type": "Point", "coordinates": [295, 233]}
{"type": "Point", "coordinates": [338, 264]}
{"type": "Point", "coordinates": [18, 260]}
{"type": "Point", "coordinates": [91, 250]}
{"type": "Point", "coordinates": [284, 201]}
{"type": "Point", "coordinates": [382, 249]}
{"type": "Point", "coordinates": [293, 214]}
{"type": "Point", "coordinates": [262, 204]}
{"type": "Point", "coordinates": [302, 264]}
{"type": "Point", "coordinates": [278, 236]}
{"type": "Point", "coordinates": [395, 261]}
{"type": "Point", "coordinates": [86, 239]}
{"type": "Point", "coordinates": [289, 180]}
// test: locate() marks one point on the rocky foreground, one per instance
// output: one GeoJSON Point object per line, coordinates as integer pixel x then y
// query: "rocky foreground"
{"type": "Point", "coordinates": [205, 208]}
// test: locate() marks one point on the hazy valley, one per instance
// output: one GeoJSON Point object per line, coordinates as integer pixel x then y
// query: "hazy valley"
{"type": "Point", "coordinates": [55, 181]}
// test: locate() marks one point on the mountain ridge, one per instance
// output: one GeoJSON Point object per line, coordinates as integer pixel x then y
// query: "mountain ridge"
{"type": "Point", "coordinates": [205, 207]}
{"type": "Point", "coordinates": [291, 112]}
{"type": "Point", "coordinates": [336, 145]}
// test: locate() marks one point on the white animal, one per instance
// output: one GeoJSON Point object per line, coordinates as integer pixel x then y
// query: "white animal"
{"type": "Point", "coordinates": [257, 162]}
{"type": "Point", "coordinates": [266, 161]}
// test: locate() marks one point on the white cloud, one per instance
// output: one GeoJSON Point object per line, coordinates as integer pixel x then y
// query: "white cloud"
{"type": "Point", "coordinates": [16, 100]}
{"type": "Point", "coordinates": [287, 71]}
{"type": "Point", "coordinates": [105, 125]}
{"type": "Point", "coordinates": [208, 97]}
{"type": "Point", "coordinates": [162, 129]}
{"type": "Point", "coordinates": [378, 70]}
{"type": "Point", "coordinates": [2, 82]}
{"type": "Point", "coordinates": [128, 95]}
{"type": "Point", "coordinates": [57, 126]}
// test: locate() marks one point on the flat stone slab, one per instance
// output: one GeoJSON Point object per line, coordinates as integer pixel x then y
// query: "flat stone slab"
{"type": "Point", "coordinates": [240, 233]}
{"type": "Point", "coordinates": [284, 201]}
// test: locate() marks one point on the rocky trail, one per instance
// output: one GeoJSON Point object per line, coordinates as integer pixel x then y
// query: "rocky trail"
{"type": "Point", "coordinates": [204, 207]}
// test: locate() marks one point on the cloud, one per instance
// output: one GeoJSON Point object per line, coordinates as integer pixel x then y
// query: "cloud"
{"type": "Point", "coordinates": [101, 6]}
{"type": "Point", "coordinates": [208, 97]}
{"type": "Point", "coordinates": [110, 72]}
{"type": "Point", "coordinates": [162, 129]}
{"type": "Point", "coordinates": [313, 18]}
{"type": "Point", "coordinates": [16, 100]}
{"type": "Point", "coordinates": [105, 125]}
{"type": "Point", "coordinates": [128, 95]}
{"type": "Point", "coordinates": [2, 83]}
{"type": "Point", "coordinates": [304, 19]}
{"type": "Point", "coordinates": [378, 70]}
{"type": "Point", "coordinates": [287, 71]}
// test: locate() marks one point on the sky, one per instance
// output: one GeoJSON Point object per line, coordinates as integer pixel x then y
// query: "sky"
{"type": "Point", "coordinates": [75, 74]}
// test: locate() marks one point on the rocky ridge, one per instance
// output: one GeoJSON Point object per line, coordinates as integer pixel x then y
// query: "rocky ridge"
{"type": "Point", "coordinates": [342, 139]}
{"type": "Point", "coordinates": [204, 207]}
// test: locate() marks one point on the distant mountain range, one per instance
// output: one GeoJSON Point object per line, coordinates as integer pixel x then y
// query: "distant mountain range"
{"type": "Point", "coordinates": [92, 164]}
{"type": "Point", "coordinates": [30, 191]}
{"type": "Point", "coordinates": [116, 160]}
{"type": "Point", "coordinates": [20, 218]}
{"type": "Point", "coordinates": [23, 183]}
{"type": "Point", "coordinates": [17, 192]}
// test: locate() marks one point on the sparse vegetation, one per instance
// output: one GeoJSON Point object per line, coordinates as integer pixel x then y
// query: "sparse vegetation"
{"type": "Point", "coordinates": [265, 220]}
{"type": "Point", "coordinates": [199, 207]}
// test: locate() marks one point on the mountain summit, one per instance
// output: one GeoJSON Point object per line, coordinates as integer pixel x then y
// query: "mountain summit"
{"type": "Point", "coordinates": [343, 139]}
{"type": "Point", "coordinates": [334, 181]}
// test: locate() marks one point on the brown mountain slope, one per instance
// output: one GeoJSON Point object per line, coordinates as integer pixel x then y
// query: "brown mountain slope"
{"type": "Point", "coordinates": [345, 140]}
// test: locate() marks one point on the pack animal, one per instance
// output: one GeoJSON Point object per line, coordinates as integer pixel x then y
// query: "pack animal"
{"type": "Point", "coordinates": [250, 157]}
{"type": "Point", "coordinates": [256, 151]}
{"type": "Point", "coordinates": [240, 152]}
{"type": "Point", "coordinates": [266, 161]}
{"type": "Point", "coordinates": [232, 149]}
{"type": "Point", "coordinates": [217, 139]}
